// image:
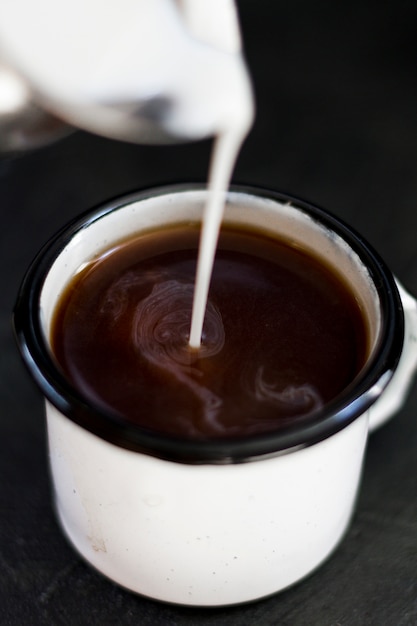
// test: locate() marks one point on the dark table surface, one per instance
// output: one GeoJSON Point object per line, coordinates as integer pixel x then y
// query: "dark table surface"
{"type": "Point", "coordinates": [336, 87]}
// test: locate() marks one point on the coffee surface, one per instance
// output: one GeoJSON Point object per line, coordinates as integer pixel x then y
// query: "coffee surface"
{"type": "Point", "coordinates": [282, 334]}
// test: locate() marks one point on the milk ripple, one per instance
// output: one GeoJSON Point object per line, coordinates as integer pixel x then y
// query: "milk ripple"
{"type": "Point", "coordinates": [160, 333]}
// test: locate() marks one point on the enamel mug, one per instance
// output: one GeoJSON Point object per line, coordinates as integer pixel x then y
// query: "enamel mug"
{"type": "Point", "coordinates": [215, 522]}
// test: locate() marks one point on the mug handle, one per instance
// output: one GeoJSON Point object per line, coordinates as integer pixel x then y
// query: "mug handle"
{"type": "Point", "coordinates": [396, 392]}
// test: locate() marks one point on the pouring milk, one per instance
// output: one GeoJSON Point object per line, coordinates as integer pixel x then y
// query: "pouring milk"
{"type": "Point", "coordinates": [141, 71]}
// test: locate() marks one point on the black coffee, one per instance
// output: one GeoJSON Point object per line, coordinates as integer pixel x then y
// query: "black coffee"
{"type": "Point", "coordinates": [283, 335]}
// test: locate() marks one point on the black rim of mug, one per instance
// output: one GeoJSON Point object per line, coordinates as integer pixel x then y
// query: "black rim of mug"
{"type": "Point", "coordinates": [339, 413]}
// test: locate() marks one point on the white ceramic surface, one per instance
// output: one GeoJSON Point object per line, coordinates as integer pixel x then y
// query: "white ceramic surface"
{"type": "Point", "coordinates": [204, 535]}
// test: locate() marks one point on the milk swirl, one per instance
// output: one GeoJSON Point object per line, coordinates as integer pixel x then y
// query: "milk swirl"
{"type": "Point", "coordinates": [160, 332]}
{"type": "Point", "coordinates": [293, 398]}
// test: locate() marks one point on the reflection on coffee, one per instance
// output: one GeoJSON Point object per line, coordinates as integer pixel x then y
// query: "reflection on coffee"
{"type": "Point", "coordinates": [282, 335]}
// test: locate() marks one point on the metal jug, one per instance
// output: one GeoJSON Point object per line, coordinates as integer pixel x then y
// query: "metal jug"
{"type": "Point", "coordinates": [126, 70]}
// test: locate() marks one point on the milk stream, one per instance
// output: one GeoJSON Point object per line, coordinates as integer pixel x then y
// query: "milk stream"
{"type": "Point", "coordinates": [226, 149]}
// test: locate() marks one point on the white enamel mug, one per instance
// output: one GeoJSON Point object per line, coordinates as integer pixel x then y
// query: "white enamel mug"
{"type": "Point", "coordinates": [218, 522]}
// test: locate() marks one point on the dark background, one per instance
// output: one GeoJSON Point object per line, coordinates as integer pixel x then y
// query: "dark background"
{"type": "Point", "coordinates": [336, 124]}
